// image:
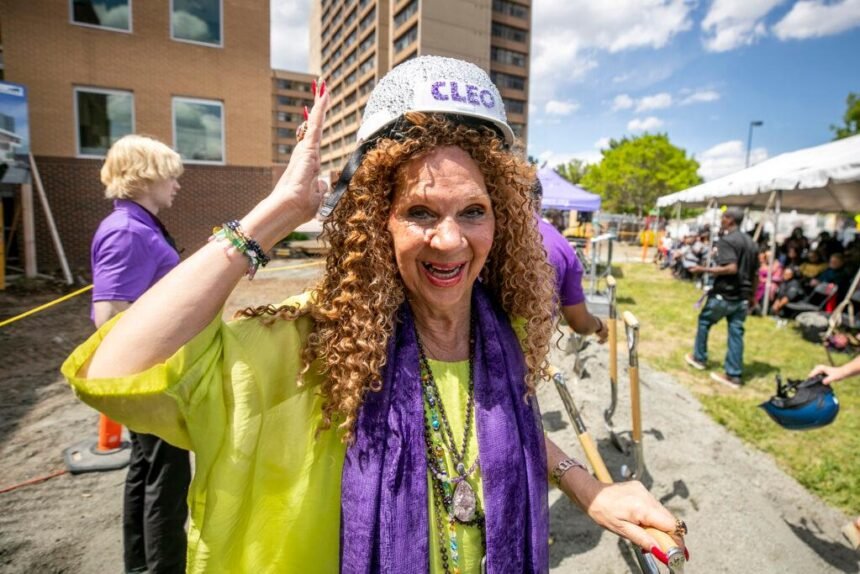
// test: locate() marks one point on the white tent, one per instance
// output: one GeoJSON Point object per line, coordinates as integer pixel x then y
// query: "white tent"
{"type": "Point", "coordinates": [823, 178]}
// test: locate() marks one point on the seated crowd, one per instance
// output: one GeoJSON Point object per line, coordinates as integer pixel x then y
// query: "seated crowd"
{"type": "Point", "coordinates": [800, 266]}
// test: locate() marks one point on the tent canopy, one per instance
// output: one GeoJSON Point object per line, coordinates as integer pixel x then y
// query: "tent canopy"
{"type": "Point", "coordinates": [558, 193]}
{"type": "Point", "coordinates": [823, 178]}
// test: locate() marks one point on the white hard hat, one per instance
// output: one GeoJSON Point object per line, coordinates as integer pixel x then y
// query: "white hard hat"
{"type": "Point", "coordinates": [434, 84]}
{"type": "Point", "coordinates": [430, 84]}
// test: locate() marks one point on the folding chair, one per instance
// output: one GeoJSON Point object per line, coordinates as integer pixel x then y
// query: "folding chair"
{"type": "Point", "coordinates": [824, 291]}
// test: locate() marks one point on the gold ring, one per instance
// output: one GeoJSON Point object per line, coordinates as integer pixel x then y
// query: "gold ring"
{"type": "Point", "coordinates": [301, 131]}
{"type": "Point", "coordinates": [680, 527]}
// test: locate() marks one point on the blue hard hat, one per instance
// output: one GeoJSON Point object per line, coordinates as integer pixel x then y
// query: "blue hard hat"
{"type": "Point", "coordinates": [802, 405]}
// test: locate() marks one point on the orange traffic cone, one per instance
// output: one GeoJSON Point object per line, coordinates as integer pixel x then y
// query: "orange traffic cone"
{"type": "Point", "coordinates": [107, 452]}
{"type": "Point", "coordinates": [110, 434]}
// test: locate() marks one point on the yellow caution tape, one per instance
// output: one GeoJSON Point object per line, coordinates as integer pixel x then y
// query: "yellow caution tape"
{"type": "Point", "coordinates": [89, 287]}
{"type": "Point", "coordinates": [45, 306]}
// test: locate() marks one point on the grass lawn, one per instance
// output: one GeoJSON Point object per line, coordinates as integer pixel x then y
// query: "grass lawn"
{"type": "Point", "coordinates": [826, 461]}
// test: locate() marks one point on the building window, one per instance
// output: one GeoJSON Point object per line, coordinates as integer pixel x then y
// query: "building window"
{"type": "Point", "coordinates": [405, 14]}
{"type": "Point", "coordinates": [102, 117]}
{"type": "Point", "coordinates": [508, 57]}
{"type": "Point", "coordinates": [367, 20]}
{"type": "Point", "coordinates": [509, 33]}
{"type": "Point", "coordinates": [284, 133]}
{"type": "Point", "coordinates": [294, 85]}
{"type": "Point", "coordinates": [288, 117]}
{"type": "Point", "coordinates": [198, 130]}
{"type": "Point", "coordinates": [503, 80]}
{"type": "Point", "coordinates": [367, 42]}
{"type": "Point", "coordinates": [515, 106]}
{"type": "Point", "coordinates": [198, 21]}
{"type": "Point", "coordinates": [511, 9]}
{"type": "Point", "coordinates": [517, 129]}
{"type": "Point", "coordinates": [406, 39]}
{"type": "Point", "coordinates": [285, 149]}
{"type": "Point", "coordinates": [109, 14]}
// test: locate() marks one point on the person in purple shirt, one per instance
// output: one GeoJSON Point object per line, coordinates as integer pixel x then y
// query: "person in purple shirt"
{"type": "Point", "coordinates": [131, 250]}
{"type": "Point", "coordinates": [568, 279]}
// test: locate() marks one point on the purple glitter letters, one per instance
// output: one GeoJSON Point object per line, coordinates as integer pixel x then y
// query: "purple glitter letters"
{"type": "Point", "coordinates": [455, 95]}
{"type": "Point", "coordinates": [473, 96]}
{"type": "Point", "coordinates": [437, 95]}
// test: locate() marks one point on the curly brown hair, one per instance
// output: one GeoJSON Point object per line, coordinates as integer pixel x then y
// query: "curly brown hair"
{"type": "Point", "coordinates": [355, 304]}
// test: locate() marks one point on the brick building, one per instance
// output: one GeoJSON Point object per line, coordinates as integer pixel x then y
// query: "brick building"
{"type": "Point", "coordinates": [195, 75]}
{"type": "Point", "coordinates": [361, 40]}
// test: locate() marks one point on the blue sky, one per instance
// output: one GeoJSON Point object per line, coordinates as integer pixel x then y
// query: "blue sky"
{"type": "Point", "coordinates": [699, 71]}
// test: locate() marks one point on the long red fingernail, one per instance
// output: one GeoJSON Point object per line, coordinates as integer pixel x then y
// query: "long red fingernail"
{"type": "Point", "coordinates": [686, 554]}
{"type": "Point", "coordinates": [305, 112]}
{"type": "Point", "coordinates": [322, 88]}
{"type": "Point", "coordinates": [314, 87]}
{"type": "Point", "coordinates": [659, 555]}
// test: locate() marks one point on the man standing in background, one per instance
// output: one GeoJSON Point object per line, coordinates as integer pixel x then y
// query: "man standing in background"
{"type": "Point", "coordinates": [734, 286]}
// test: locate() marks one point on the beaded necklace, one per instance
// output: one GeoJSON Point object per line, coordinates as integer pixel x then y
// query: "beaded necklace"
{"type": "Point", "coordinates": [454, 497]}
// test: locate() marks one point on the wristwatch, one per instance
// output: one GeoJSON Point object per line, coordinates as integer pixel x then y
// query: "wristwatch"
{"type": "Point", "coordinates": [562, 467]}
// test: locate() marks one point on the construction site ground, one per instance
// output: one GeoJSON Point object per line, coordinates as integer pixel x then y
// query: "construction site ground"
{"type": "Point", "coordinates": [744, 514]}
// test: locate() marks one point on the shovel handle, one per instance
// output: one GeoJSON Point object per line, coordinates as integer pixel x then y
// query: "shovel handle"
{"type": "Point", "coordinates": [594, 458]}
{"type": "Point", "coordinates": [674, 552]}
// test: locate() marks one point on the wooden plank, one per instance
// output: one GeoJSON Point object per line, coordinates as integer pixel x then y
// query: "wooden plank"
{"type": "Point", "coordinates": [29, 227]}
{"type": "Point", "coordinates": [49, 217]}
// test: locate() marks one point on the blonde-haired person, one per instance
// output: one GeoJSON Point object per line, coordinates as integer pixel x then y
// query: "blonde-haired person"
{"type": "Point", "coordinates": [131, 250]}
{"type": "Point", "coordinates": [387, 421]}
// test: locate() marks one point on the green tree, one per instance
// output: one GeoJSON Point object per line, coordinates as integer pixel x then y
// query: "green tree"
{"type": "Point", "coordinates": [573, 171]}
{"type": "Point", "coordinates": [634, 172]}
{"type": "Point", "coordinates": [851, 118]}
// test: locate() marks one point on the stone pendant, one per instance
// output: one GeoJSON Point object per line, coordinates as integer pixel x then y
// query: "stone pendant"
{"type": "Point", "coordinates": [465, 503]}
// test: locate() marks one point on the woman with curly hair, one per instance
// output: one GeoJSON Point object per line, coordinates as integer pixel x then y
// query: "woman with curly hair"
{"type": "Point", "coordinates": [385, 421]}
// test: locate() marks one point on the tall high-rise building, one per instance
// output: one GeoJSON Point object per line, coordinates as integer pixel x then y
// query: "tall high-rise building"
{"type": "Point", "coordinates": [359, 41]}
{"type": "Point", "coordinates": [291, 92]}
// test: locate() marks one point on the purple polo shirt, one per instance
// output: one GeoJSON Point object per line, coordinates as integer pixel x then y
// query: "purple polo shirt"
{"type": "Point", "coordinates": [129, 254]}
{"type": "Point", "coordinates": [568, 269]}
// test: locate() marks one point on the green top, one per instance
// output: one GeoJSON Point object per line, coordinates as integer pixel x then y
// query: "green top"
{"type": "Point", "coordinates": [265, 496]}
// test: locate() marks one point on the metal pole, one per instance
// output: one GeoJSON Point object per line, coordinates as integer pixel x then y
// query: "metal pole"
{"type": "Point", "coordinates": [753, 124]}
{"type": "Point", "coordinates": [766, 297]}
{"type": "Point", "coordinates": [706, 277]}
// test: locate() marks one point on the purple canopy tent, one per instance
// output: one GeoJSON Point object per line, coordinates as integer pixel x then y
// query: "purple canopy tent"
{"type": "Point", "coordinates": [558, 193]}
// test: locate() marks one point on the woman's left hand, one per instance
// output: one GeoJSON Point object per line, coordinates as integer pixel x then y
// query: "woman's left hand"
{"type": "Point", "coordinates": [626, 508]}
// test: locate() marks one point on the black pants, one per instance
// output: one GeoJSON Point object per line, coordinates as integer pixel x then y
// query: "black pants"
{"type": "Point", "coordinates": [155, 507]}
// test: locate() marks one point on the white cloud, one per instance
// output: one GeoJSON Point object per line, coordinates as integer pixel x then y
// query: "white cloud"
{"type": "Point", "coordinates": [815, 18]}
{"type": "Point", "coordinates": [559, 108]}
{"type": "Point", "coordinates": [700, 96]}
{"type": "Point", "coordinates": [567, 33]}
{"type": "Point", "coordinates": [727, 157]}
{"type": "Point", "coordinates": [553, 158]}
{"type": "Point", "coordinates": [649, 123]}
{"type": "Point", "coordinates": [622, 102]}
{"type": "Point", "coordinates": [730, 24]}
{"type": "Point", "coordinates": [290, 36]}
{"type": "Point", "coordinates": [656, 102]}
{"type": "Point", "coordinates": [602, 143]}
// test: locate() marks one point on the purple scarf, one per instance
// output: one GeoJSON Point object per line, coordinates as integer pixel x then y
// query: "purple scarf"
{"type": "Point", "coordinates": [384, 521]}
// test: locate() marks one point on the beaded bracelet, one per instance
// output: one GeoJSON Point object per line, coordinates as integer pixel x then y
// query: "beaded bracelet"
{"type": "Point", "coordinates": [232, 233]}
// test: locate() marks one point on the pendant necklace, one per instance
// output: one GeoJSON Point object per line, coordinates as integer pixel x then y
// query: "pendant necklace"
{"type": "Point", "coordinates": [463, 500]}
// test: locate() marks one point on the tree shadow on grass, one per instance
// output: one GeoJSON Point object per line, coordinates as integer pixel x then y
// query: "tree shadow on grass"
{"type": "Point", "coordinates": [836, 554]}
{"type": "Point", "coordinates": [626, 300]}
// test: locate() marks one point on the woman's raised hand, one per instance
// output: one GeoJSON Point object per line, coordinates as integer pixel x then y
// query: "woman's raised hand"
{"type": "Point", "coordinates": [299, 188]}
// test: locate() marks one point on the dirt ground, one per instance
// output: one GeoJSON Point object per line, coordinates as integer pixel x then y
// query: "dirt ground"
{"type": "Point", "coordinates": [744, 514]}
